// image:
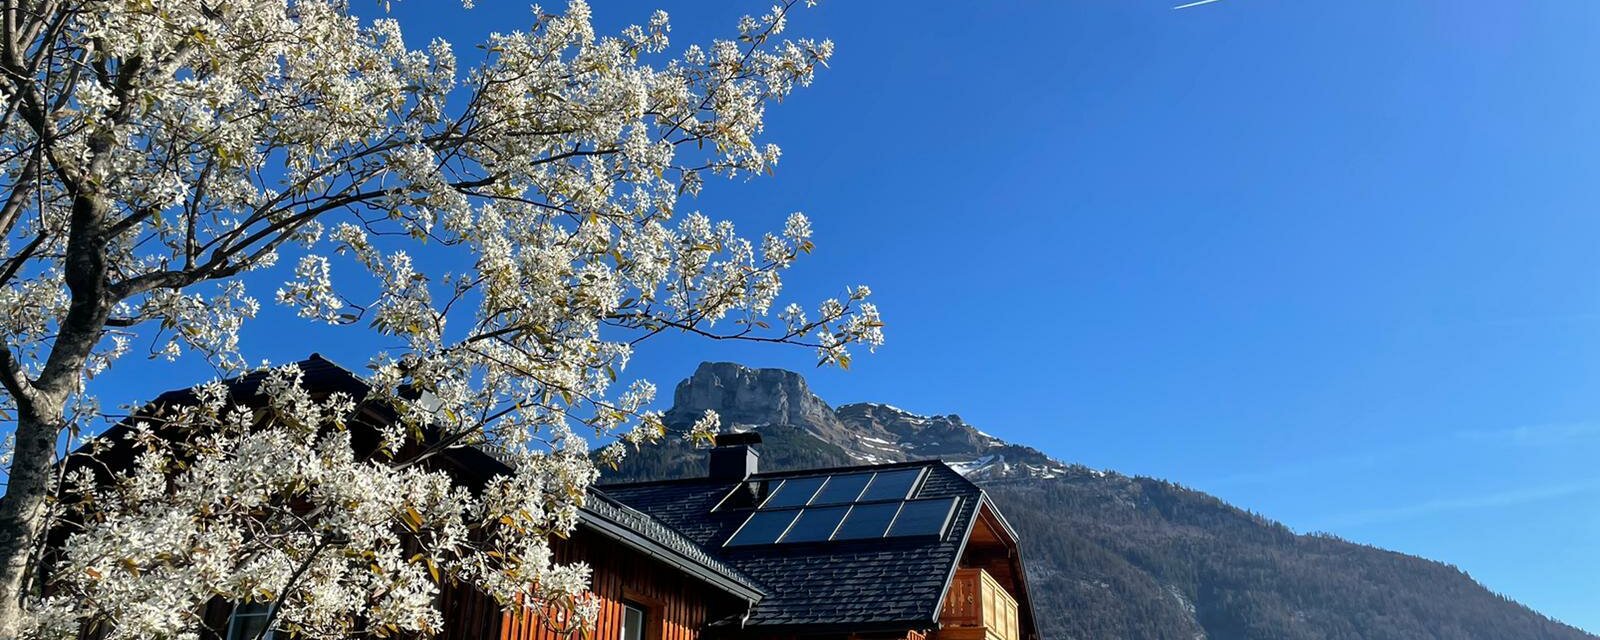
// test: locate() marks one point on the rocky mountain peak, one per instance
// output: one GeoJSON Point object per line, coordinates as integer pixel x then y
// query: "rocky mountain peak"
{"type": "Point", "coordinates": [867, 433]}
{"type": "Point", "coordinates": [747, 397]}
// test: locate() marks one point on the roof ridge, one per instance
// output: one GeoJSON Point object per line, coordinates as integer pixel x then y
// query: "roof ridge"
{"type": "Point", "coordinates": [787, 473]}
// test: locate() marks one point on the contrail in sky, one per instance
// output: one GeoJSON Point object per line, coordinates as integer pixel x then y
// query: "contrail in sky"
{"type": "Point", "coordinates": [1195, 4]}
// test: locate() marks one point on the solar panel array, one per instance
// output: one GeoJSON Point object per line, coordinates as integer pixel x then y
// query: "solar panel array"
{"type": "Point", "coordinates": [846, 506]}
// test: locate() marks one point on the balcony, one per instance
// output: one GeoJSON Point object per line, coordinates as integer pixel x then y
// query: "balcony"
{"type": "Point", "coordinates": [978, 608]}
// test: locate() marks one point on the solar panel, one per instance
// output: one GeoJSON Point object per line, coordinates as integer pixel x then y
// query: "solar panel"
{"type": "Point", "coordinates": [763, 527]}
{"type": "Point", "coordinates": [848, 506]}
{"type": "Point", "coordinates": [816, 524]}
{"type": "Point", "coordinates": [794, 492]}
{"type": "Point", "coordinates": [891, 485]}
{"type": "Point", "coordinates": [867, 521]}
{"type": "Point", "coordinates": [923, 518]}
{"type": "Point", "coordinates": [842, 489]}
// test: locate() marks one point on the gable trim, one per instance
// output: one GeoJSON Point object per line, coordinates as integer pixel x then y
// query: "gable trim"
{"type": "Point", "coordinates": [630, 538]}
{"type": "Point", "coordinates": [1024, 599]}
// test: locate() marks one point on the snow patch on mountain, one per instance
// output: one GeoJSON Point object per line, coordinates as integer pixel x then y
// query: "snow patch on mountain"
{"type": "Point", "coordinates": [866, 458]}
{"type": "Point", "coordinates": [971, 467]}
{"type": "Point", "coordinates": [893, 408]}
{"type": "Point", "coordinates": [884, 430]}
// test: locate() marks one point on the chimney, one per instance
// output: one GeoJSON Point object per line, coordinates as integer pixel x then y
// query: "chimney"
{"type": "Point", "coordinates": [734, 456]}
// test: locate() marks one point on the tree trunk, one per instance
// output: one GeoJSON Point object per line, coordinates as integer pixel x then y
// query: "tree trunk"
{"type": "Point", "coordinates": [23, 509]}
{"type": "Point", "coordinates": [42, 414]}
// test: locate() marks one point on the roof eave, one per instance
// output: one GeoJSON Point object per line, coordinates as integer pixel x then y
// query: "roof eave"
{"type": "Point", "coordinates": [805, 628]}
{"type": "Point", "coordinates": [633, 540]}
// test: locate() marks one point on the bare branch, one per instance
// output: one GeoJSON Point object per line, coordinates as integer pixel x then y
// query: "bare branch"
{"type": "Point", "coordinates": [13, 379]}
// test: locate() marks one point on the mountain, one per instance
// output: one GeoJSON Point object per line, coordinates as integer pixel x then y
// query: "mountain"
{"type": "Point", "coordinates": [1112, 556]}
{"type": "Point", "coordinates": [779, 402]}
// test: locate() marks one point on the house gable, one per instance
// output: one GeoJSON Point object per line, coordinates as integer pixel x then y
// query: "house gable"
{"type": "Point", "coordinates": [988, 591]}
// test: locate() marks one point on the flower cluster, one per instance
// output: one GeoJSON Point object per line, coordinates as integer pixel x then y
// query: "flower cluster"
{"type": "Point", "coordinates": [261, 501]}
{"type": "Point", "coordinates": [160, 152]}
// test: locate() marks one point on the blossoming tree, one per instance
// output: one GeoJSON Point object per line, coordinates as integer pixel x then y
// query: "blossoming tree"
{"type": "Point", "coordinates": [160, 156]}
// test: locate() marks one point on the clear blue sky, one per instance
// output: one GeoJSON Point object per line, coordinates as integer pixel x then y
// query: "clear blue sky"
{"type": "Point", "coordinates": [1335, 262]}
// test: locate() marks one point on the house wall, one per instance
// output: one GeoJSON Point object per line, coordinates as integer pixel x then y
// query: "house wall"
{"type": "Point", "coordinates": [676, 606]}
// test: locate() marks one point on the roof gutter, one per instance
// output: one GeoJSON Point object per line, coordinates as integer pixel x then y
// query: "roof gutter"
{"type": "Point", "coordinates": [633, 540]}
{"type": "Point", "coordinates": [897, 627]}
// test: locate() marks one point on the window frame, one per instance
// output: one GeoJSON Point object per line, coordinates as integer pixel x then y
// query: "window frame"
{"type": "Point", "coordinates": [266, 612]}
{"type": "Point", "coordinates": [760, 491]}
{"type": "Point", "coordinates": [653, 609]}
{"type": "Point", "coordinates": [644, 621]}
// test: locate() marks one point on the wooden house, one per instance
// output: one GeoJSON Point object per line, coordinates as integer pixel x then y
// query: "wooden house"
{"type": "Point", "coordinates": [905, 551]}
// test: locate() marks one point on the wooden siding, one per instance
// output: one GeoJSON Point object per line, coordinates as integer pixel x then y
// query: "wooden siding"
{"type": "Point", "coordinates": [676, 605]}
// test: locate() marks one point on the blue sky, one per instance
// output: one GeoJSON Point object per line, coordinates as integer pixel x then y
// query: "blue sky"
{"type": "Point", "coordinates": [1334, 262]}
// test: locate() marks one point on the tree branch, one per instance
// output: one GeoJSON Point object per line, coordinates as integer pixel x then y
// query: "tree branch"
{"type": "Point", "coordinates": [13, 379]}
{"type": "Point", "coordinates": [14, 263]}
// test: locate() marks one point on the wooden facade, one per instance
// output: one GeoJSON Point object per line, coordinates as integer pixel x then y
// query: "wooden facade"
{"type": "Point", "coordinates": [982, 601]}
{"type": "Point", "coordinates": [676, 606]}
{"type": "Point", "coordinates": [978, 608]}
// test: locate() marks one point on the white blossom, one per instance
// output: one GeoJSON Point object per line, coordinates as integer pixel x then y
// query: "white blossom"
{"type": "Point", "coordinates": [206, 141]}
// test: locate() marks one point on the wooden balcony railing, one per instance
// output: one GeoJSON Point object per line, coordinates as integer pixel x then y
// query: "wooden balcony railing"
{"type": "Point", "coordinates": [978, 608]}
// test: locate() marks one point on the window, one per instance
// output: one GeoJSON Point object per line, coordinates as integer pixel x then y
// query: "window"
{"type": "Point", "coordinates": [745, 496]}
{"type": "Point", "coordinates": [249, 622]}
{"type": "Point", "coordinates": [633, 617]}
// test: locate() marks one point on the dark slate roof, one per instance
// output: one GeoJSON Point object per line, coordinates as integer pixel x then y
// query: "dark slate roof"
{"type": "Point", "coordinates": [859, 585]}
{"type": "Point", "coordinates": [317, 373]}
